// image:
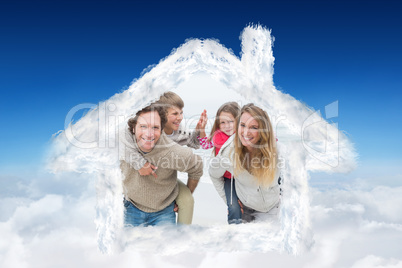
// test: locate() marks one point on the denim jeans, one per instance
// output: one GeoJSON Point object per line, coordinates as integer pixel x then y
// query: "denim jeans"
{"type": "Point", "coordinates": [234, 211]}
{"type": "Point", "coordinates": [136, 217]}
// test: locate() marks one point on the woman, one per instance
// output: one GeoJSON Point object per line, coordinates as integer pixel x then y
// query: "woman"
{"type": "Point", "coordinates": [251, 156]}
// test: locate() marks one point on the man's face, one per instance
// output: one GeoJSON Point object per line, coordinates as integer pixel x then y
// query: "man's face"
{"type": "Point", "coordinates": [148, 130]}
{"type": "Point", "coordinates": [174, 118]}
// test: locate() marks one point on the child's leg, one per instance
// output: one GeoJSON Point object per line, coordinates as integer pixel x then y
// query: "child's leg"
{"type": "Point", "coordinates": [234, 211]}
{"type": "Point", "coordinates": [185, 202]}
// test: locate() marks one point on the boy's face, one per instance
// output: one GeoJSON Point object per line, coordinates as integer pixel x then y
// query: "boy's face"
{"type": "Point", "coordinates": [174, 118]}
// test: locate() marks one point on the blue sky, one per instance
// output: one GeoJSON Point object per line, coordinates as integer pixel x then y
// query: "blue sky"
{"type": "Point", "coordinates": [57, 54]}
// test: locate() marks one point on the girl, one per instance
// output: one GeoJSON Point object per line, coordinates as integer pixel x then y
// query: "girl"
{"type": "Point", "coordinates": [224, 127]}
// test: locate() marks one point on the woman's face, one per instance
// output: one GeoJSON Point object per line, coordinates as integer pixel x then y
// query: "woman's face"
{"type": "Point", "coordinates": [248, 131]}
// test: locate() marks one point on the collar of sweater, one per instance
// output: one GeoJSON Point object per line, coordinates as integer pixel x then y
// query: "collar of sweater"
{"type": "Point", "coordinates": [163, 145]}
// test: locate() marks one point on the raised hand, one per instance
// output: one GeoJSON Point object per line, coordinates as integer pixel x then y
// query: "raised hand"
{"type": "Point", "coordinates": [202, 122]}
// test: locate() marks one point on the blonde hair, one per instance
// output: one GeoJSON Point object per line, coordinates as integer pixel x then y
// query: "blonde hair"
{"type": "Point", "coordinates": [264, 156]}
{"type": "Point", "coordinates": [229, 107]}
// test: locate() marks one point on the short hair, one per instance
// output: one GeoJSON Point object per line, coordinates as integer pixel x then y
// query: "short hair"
{"type": "Point", "coordinates": [132, 122]}
{"type": "Point", "coordinates": [169, 99]}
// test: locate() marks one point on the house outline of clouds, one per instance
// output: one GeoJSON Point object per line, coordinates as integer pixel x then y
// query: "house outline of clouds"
{"type": "Point", "coordinates": [78, 147]}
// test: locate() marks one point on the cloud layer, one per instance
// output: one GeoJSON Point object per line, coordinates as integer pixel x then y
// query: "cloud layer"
{"type": "Point", "coordinates": [354, 226]}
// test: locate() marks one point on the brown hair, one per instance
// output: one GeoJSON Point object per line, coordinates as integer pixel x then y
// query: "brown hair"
{"type": "Point", "coordinates": [264, 157]}
{"type": "Point", "coordinates": [169, 99]}
{"type": "Point", "coordinates": [229, 107]}
{"type": "Point", "coordinates": [132, 122]}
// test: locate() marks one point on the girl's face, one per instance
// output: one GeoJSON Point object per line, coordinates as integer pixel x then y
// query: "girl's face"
{"type": "Point", "coordinates": [227, 123]}
{"type": "Point", "coordinates": [248, 131]}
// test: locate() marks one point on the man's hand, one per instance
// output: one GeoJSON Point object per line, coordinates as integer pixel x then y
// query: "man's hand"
{"type": "Point", "coordinates": [148, 169]}
{"type": "Point", "coordinates": [192, 184]}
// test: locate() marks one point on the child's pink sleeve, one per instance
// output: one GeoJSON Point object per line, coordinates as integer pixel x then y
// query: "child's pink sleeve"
{"type": "Point", "coordinates": [205, 143]}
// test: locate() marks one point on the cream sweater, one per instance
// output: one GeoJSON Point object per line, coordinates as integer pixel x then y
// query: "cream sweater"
{"type": "Point", "coordinates": [151, 194]}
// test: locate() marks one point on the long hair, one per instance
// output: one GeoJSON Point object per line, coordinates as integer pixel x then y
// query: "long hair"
{"type": "Point", "coordinates": [263, 159]}
{"type": "Point", "coordinates": [229, 107]}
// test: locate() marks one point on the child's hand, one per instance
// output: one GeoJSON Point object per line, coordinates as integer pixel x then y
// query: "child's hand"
{"type": "Point", "coordinates": [148, 169]}
{"type": "Point", "coordinates": [202, 122]}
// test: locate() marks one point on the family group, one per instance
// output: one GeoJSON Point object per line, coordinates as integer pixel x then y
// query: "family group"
{"type": "Point", "coordinates": [155, 146]}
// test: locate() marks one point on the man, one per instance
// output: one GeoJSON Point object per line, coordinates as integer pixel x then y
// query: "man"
{"type": "Point", "coordinates": [173, 105]}
{"type": "Point", "coordinates": [149, 200]}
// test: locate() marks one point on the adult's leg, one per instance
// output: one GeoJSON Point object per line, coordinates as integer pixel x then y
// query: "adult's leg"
{"type": "Point", "coordinates": [234, 211]}
{"type": "Point", "coordinates": [185, 202]}
{"type": "Point", "coordinates": [164, 217]}
{"type": "Point", "coordinates": [133, 216]}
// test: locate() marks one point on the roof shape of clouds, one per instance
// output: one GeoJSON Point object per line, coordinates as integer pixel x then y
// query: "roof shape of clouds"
{"type": "Point", "coordinates": [90, 145]}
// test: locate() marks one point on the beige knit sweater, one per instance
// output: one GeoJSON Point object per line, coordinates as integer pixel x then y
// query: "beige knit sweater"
{"type": "Point", "coordinates": [151, 194]}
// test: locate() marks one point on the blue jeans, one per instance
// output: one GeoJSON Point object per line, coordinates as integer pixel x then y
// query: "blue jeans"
{"type": "Point", "coordinates": [136, 217]}
{"type": "Point", "coordinates": [234, 211]}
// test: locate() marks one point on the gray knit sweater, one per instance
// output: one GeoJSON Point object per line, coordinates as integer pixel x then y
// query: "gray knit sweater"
{"type": "Point", "coordinates": [151, 194]}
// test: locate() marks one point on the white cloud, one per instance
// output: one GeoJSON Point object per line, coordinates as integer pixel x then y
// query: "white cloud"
{"type": "Point", "coordinates": [353, 219]}
{"type": "Point", "coordinates": [58, 230]}
{"type": "Point", "coordinates": [380, 202]}
{"type": "Point", "coordinates": [372, 261]}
